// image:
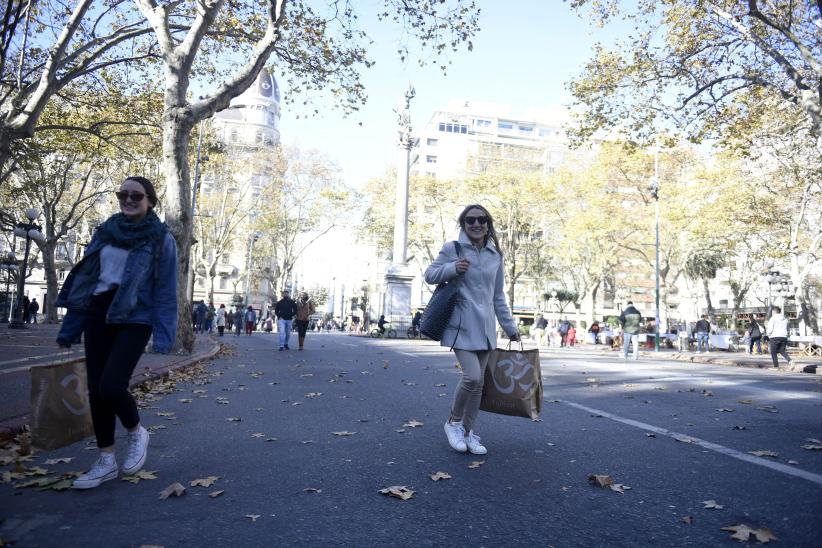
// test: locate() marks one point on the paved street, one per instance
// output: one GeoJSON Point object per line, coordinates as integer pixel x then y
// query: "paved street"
{"type": "Point", "coordinates": [301, 442]}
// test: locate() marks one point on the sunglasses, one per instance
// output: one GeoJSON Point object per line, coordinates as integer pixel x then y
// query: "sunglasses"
{"type": "Point", "coordinates": [133, 196]}
{"type": "Point", "coordinates": [482, 219]}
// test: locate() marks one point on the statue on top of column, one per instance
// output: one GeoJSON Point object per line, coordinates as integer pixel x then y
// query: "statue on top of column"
{"type": "Point", "coordinates": [403, 110]}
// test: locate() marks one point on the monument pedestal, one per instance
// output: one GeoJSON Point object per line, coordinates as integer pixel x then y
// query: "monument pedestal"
{"type": "Point", "coordinates": [397, 305]}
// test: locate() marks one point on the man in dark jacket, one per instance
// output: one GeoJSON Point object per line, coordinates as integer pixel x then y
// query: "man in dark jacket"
{"type": "Point", "coordinates": [630, 320]}
{"type": "Point", "coordinates": [703, 332]}
{"type": "Point", "coordinates": [564, 326]}
{"type": "Point", "coordinates": [285, 309]}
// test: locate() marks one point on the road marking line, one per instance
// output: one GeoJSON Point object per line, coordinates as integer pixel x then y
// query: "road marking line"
{"type": "Point", "coordinates": [409, 354]}
{"type": "Point", "coordinates": [733, 453]}
{"type": "Point", "coordinates": [33, 358]}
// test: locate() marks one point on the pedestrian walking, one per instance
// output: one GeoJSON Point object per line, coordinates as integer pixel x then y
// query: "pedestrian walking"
{"type": "Point", "coordinates": [539, 329]}
{"type": "Point", "coordinates": [220, 316]}
{"type": "Point", "coordinates": [202, 312]}
{"type": "Point", "coordinates": [229, 319]}
{"type": "Point", "coordinates": [250, 320]}
{"type": "Point", "coordinates": [210, 314]}
{"type": "Point", "coordinates": [563, 332]}
{"type": "Point", "coordinates": [34, 307]}
{"type": "Point", "coordinates": [239, 320]}
{"type": "Point", "coordinates": [778, 336]}
{"type": "Point", "coordinates": [594, 331]}
{"type": "Point", "coordinates": [305, 307]}
{"type": "Point", "coordinates": [571, 337]}
{"type": "Point", "coordinates": [122, 292]}
{"type": "Point", "coordinates": [285, 310]}
{"type": "Point", "coordinates": [755, 335]}
{"type": "Point", "coordinates": [630, 320]}
{"type": "Point", "coordinates": [703, 334]}
{"type": "Point", "coordinates": [26, 309]}
{"type": "Point", "coordinates": [472, 332]}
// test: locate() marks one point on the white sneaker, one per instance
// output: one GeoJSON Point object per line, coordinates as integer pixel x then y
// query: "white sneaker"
{"type": "Point", "coordinates": [456, 436]}
{"type": "Point", "coordinates": [137, 451]}
{"type": "Point", "coordinates": [473, 442]}
{"type": "Point", "coordinates": [104, 469]}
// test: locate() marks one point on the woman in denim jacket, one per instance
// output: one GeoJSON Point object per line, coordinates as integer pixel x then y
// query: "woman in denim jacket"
{"type": "Point", "coordinates": [121, 293]}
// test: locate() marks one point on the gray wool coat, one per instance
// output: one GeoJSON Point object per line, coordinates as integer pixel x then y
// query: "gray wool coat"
{"type": "Point", "coordinates": [481, 300]}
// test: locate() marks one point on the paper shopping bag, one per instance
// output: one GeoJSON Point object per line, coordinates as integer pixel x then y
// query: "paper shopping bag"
{"type": "Point", "coordinates": [513, 383]}
{"type": "Point", "coordinates": [60, 413]}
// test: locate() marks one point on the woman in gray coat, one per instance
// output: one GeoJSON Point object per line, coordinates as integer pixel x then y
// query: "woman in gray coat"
{"type": "Point", "coordinates": [472, 329]}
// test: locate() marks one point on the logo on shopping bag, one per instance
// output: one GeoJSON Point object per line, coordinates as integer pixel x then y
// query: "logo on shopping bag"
{"type": "Point", "coordinates": [512, 370]}
{"type": "Point", "coordinates": [78, 389]}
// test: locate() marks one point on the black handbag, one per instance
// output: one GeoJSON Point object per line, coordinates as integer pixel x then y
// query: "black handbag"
{"type": "Point", "coordinates": [440, 307]}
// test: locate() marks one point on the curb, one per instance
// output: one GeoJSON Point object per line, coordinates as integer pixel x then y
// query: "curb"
{"type": "Point", "coordinates": [11, 426]}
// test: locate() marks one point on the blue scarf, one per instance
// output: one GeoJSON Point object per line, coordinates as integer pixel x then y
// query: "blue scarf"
{"type": "Point", "coordinates": [120, 231]}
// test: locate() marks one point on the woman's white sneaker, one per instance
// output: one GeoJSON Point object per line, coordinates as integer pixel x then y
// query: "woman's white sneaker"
{"type": "Point", "coordinates": [104, 469]}
{"type": "Point", "coordinates": [137, 451]}
{"type": "Point", "coordinates": [456, 436]}
{"type": "Point", "coordinates": [473, 442]}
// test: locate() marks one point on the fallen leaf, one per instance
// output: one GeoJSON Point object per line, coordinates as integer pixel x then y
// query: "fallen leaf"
{"type": "Point", "coordinates": [725, 410]}
{"type": "Point", "coordinates": [271, 439]}
{"type": "Point", "coordinates": [175, 489]}
{"type": "Point", "coordinates": [768, 408]}
{"type": "Point", "coordinates": [398, 491]}
{"type": "Point", "coordinates": [257, 435]}
{"type": "Point", "coordinates": [168, 414]}
{"type": "Point", "coordinates": [141, 475]}
{"type": "Point", "coordinates": [476, 464]}
{"type": "Point", "coordinates": [746, 402]}
{"type": "Point", "coordinates": [737, 427]}
{"type": "Point", "coordinates": [812, 445]}
{"type": "Point", "coordinates": [618, 487]}
{"type": "Point", "coordinates": [743, 533]}
{"type": "Point", "coordinates": [312, 490]}
{"type": "Point", "coordinates": [204, 482]}
{"type": "Point", "coordinates": [252, 517]}
{"type": "Point", "coordinates": [687, 519]}
{"type": "Point", "coordinates": [344, 433]}
{"type": "Point", "coordinates": [707, 393]}
{"type": "Point", "coordinates": [185, 400]}
{"type": "Point", "coordinates": [60, 460]}
{"type": "Point", "coordinates": [793, 462]}
{"type": "Point", "coordinates": [215, 494]}
{"type": "Point", "coordinates": [811, 440]}
{"type": "Point", "coordinates": [440, 476]}
{"type": "Point", "coordinates": [413, 424]}
{"type": "Point", "coordinates": [234, 419]}
{"type": "Point", "coordinates": [650, 434]}
{"type": "Point", "coordinates": [313, 394]}
{"type": "Point", "coordinates": [712, 505]}
{"type": "Point", "coordinates": [600, 480]}
{"type": "Point", "coordinates": [440, 385]}
{"type": "Point", "coordinates": [684, 439]}
{"type": "Point", "coordinates": [763, 453]}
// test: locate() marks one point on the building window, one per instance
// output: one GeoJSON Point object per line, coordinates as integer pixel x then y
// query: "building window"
{"type": "Point", "coordinates": [506, 126]}
{"type": "Point", "coordinates": [431, 142]}
{"type": "Point", "coordinates": [482, 123]}
{"type": "Point", "coordinates": [526, 129]}
{"type": "Point", "coordinates": [441, 127]}
{"type": "Point", "coordinates": [223, 282]}
{"type": "Point", "coordinates": [453, 128]}
{"type": "Point", "coordinates": [233, 137]}
{"type": "Point", "coordinates": [431, 159]}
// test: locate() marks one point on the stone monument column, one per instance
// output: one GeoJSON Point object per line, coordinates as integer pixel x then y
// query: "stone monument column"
{"type": "Point", "coordinates": [398, 277]}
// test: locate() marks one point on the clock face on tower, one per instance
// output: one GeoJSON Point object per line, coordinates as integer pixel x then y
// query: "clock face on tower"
{"type": "Point", "coordinates": [264, 84]}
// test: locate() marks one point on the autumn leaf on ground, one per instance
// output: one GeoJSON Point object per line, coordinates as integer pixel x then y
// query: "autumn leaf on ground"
{"type": "Point", "coordinates": [141, 475]}
{"type": "Point", "coordinates": [33, 471]}
{"type": "Point", "coordinates": [399, 491]}
{"type": "Point", "coordinates": [271, 439]}
{"type": "Point", "coordinates": [60, 460]}
{"type": "Point", "coordinates": [746, 401]}
{"type": "Point", "coordinates": [252, 517]}
{"type": "Point", "coordinates": [684, 439]}
{"type": "Point", "coordinates": [185, 400]}
{"type": "Point", "coordinates": [687, 519]}
{"type": "Point", "coordinates": [743, 533]}
{"type": "Point", "coordinates": [738, 427]}
{"type": "Point", "coordinates": [725, 410]}
{"type": "Point", "coordinates": [216, 494]}
{"type": "Point", "coordinates": [413, 423]}
{"type": "Point", "coordinates": [768, 408]}
{"type": "Point", "coordinates": [440, 476]}
{"type": "Point", "coordinates": [712, 505]}
{"type": "Point", "coordinates": [204, 482]}
{"type": "Point", "coordinates": [313, 394]}
{"type": "Point", "coordinates": [650, 434]}
{"type": "Point", "coordinates": [707, 393]}
{"type": "Point", "coordinates": [165, 414]}
{"type": "Point", "coordinates": [312, 490]}
{"type": "Point", "coordinates": [176, 489]}
{"type": "Point", "coordinates": [764, 453]}
{"type": "Point", "coordinates": [234, 419]}
{"type": "Point", "coordinates": [440, 385]}
{"type": "Point", "coordinates": [257, 435]}
{"type": "Point", "coordinates": [476, 464]}
{"type": "Point", "coordinates": [344, 433]}
{"type": "Point", "coordinates": [619, 487]}
{"type": "Point", "coordinates": [600, 480]}
{"type": "Point", "coordinates": [812, 445]}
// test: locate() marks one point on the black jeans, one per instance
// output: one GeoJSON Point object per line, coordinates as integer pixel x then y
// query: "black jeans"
{"type": "Point", "coordinates": [778, 345]}
{"type": "Point", "coordinates": [112, 353]}
{"type": "Point", "coordinates": [302, 327]}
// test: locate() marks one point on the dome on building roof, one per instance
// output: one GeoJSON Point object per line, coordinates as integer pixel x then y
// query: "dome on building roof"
{"type": "Point", "coordinates": [265, 88]}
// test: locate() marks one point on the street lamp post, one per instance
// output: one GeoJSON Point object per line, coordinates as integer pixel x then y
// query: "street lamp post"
{"type": "Point", "coordinates": [655, 194]}
{"type": "Point", "coordinates": [778, 283]}
{"type": "Point", "coordinates": [254, 237]}
{"type": "Point", "coordinates": [30, 231]}
{"type": "Point", "coordinates": [7, 265]}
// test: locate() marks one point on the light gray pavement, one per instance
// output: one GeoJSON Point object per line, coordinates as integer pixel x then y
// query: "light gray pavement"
{"type": "Point", "coordinates": [301, 442]}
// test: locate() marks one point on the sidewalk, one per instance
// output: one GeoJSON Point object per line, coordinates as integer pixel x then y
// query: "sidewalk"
{"type": "Point", "coordinates": [20, 350]}
{"type": "Point", "coordinates": [800, 363]}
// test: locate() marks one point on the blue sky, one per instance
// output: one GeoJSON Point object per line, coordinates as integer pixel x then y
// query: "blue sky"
{"type": "Point", "coordinates": [525, 52]}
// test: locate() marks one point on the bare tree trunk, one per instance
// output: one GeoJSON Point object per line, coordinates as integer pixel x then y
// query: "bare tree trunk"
{"type": "Point", "coordinates": [708, 298]}
{"type": "Point", "coordinates": [807, 311]}
{"type": "Point", "coordinates": [50, 311]}
{"type": "Point", "coordinates": [176, 132]}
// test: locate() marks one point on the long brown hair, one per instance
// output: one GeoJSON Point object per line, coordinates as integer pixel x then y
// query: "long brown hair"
{"type": "Point", "coordinates": [491, 232]}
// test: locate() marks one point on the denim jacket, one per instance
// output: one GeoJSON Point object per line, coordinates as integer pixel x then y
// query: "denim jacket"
{"type": "Point", "coordinates": [147, 294]}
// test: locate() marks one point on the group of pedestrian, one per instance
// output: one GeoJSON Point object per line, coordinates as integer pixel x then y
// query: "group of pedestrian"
{"type": "Point", "coordinates": [30, 309]}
